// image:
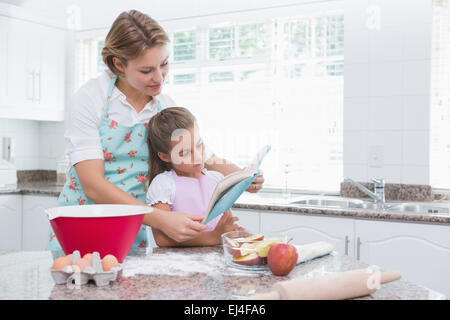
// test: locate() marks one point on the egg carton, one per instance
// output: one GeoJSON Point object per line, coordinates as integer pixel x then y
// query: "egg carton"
{"type": "Point", "coordinates": [93, 272]}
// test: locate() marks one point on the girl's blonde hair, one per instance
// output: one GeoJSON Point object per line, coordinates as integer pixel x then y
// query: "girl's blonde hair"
{"type": "Point", "coordinates": [130, 35]}
{"type": "Point", "coordinates": [159, 136]}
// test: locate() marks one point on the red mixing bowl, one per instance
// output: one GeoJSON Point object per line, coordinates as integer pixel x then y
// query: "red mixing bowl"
{"type": "Point", "coordinates": [105, 228]}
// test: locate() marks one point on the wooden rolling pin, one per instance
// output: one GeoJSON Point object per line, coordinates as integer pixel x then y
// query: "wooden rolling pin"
{"type": "Point", "coordinates": [336, 286]}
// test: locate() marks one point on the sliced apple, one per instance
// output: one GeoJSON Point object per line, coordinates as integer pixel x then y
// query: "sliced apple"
{"type": "Point", "coordinates": [247, 248]}
{"type": "Point", "coordinates": [232, 246]}
{"type": "Point", "coordinates": [248, 260]}
{"type": "Point", "coordinates": [262, 248]}
{"type": "Point", "coordinates": [253, 237]}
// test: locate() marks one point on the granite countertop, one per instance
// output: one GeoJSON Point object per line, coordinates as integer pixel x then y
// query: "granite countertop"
{"type": "Point", "coordinates": [35, 187]}
{"type": "Point", "coordinates": [273, 202]}
{"type": "Point", "coordinates": [177, 273]}
{"type": "Point", "coordinates": [276, 202]}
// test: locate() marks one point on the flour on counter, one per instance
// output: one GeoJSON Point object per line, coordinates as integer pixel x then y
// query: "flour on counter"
{"type": "Point", "coordinates": [175, 263]}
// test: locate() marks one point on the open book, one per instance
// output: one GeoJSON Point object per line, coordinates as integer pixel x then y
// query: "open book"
{"type": "Point", "coordinates": [230, 188]}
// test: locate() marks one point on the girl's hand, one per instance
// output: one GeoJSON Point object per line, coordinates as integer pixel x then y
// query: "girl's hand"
{"type": "Point", "coordinates": [182, 226]}
{"type": "Point", "coordinates": [256, 184]}
{"type": "Point", "coordinates": [226, 224]}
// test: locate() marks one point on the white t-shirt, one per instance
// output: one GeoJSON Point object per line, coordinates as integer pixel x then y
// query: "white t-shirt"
{"type": "Point", "coordinates": [86, 111]}
{"type": "Point", "coordinates": [163, 188]}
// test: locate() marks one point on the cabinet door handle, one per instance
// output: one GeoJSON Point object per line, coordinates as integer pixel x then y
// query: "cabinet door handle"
{"type": "Point", "coordinates": [38, 87]}
{"type": "Point", "coordinates": [30, 86]}
{"type": "Point", "coordinates": [358, 248]}
{"type": "Point", "coordinates": [346, 245]}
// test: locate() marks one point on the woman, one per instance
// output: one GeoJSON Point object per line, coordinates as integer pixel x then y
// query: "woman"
{"type": "Point", "coordinates": [107, 129]}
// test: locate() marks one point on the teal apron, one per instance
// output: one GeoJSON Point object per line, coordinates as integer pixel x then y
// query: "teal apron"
{"type": "Point", "coordinates": [126, 159]}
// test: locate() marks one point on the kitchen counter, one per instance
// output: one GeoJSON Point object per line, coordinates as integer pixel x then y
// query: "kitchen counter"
{"type": "Point", "coordinates": [275, 202]}
{"type": "Point", "coordinates": [264, 201]}
{"type": "Point", "coordinates": [177, 273]}
{"type": "Point", "coordinates": [36, 188]}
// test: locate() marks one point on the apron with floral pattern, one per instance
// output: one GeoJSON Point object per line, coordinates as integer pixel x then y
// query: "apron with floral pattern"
{"type": "Point", "coordinates": [126, 161]}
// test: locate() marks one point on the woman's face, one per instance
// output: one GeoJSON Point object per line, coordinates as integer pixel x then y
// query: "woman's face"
{"type": "Point", "coordinates": [147, 72]}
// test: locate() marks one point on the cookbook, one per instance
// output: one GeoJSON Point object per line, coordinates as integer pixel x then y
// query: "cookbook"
{"type": "Point", "coordinates": [230, 188]}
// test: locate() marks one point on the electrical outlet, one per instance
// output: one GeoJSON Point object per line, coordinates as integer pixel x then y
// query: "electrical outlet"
{"type": "Point", "coordinates": [8, 147]}
{"type": "Point", "coordinates": [376, 156]}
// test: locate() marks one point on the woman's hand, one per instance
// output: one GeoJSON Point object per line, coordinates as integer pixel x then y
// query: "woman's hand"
{"type": "Point", "coordinates": [256, 184]}
{"type": "Point", "coordinates": [181, 226]}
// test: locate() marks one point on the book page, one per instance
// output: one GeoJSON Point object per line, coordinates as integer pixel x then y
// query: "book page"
{"type": "Point", "coordinates": [224, 185]}
{"type": "Point", "coordinates": [234, 178]}
{"type": "Point", "coordinates": [254, 165]}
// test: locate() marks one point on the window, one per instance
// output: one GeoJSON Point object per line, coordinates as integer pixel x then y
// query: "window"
{"type": "Point", "coordinates": [221, 76]}
{"type": "Point", "coordinates": [184, 45]}
{"type": "Point", "coordinates": [440, 98]}
{"type": "Point", "coordinates": [252, 40]}
{"type": "Point", "coordinates": [89, 60]}
{"type": "Point", "coordinates": [221, 42]}
{"type": "Point", "coordinates": [310, 100]}
{"type": "Point", "coordinates": [188, 78]}
{"type": "Point", "coordinates": [277, 81]}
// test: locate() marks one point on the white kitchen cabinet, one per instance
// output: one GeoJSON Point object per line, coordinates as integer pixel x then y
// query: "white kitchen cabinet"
{"type": "Point", "coordinates": [33, 55]}
{"type": "Point", "coordinates": [421, 252]}
{"type": "Point", "coordinates": [249, 219]}
{"type": "Point", "coordinates": [35, 225]}
{"type": "Point", "coordinates": [306, 229]}
{"type": "Point", "coordinates": [19, 88]}
{"type": "Point", "coordinates": [52, 72]}
{"type": "Point", "coordinates": [3, 58]}
{"type": "Point", "coordinates": [10, 222]}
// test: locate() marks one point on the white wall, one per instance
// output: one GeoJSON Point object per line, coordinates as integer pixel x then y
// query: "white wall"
{"type": "Point", "coordinates": [387, 90]}
{"type": "Point", "coordinates": [38, 144]}
{"type": "Point", "coordinates": [25, 134]}
{"type": "Point", "coordinates": [101, 13]}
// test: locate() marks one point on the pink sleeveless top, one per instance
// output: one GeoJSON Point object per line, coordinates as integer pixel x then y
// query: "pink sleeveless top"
{"type": "Point", "coordinates": [192, 196]}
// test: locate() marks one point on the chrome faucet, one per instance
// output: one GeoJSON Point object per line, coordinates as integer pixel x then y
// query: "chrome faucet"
{"type": "Point", "coordinates": [378, 194]}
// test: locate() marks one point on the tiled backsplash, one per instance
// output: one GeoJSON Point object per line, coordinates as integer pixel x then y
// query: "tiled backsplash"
{"type": "Point", "coordinates": [39, 144]}
{"type": "Point", "coordinates": [24, 176]}
{"type": "Point", "coordinates": [387, 90]}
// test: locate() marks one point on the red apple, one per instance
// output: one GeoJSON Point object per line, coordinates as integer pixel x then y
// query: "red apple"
{"type": "Point", "coordinates": [282, 258]}
{"type": "Point", "coordinates": [251, 259]}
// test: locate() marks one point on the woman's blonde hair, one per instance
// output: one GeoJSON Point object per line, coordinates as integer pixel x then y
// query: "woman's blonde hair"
{"type": "Point", "coordinates": [130, 35]}
{"type": "Point", "coordinates": [159, 136]}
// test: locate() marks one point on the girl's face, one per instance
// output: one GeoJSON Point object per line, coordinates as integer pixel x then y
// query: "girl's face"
{"type": "Point", "coordinates": [188, 151]}
{"type": "Point", "coordinates": [147, 72]}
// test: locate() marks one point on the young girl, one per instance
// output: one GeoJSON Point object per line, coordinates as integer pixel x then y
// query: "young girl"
{"type": "Point", "coordinates": [177, 176]}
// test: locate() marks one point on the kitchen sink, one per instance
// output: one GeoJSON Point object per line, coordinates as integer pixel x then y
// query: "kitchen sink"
{"type": "Point", "coordinates": [350, 203]}
{"type": "Point", "coordinates": [369, 206]}
{"type": "Point", "coordinates": [421, 207]}
{"type": "Point", "coordinates": [329, 202]}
